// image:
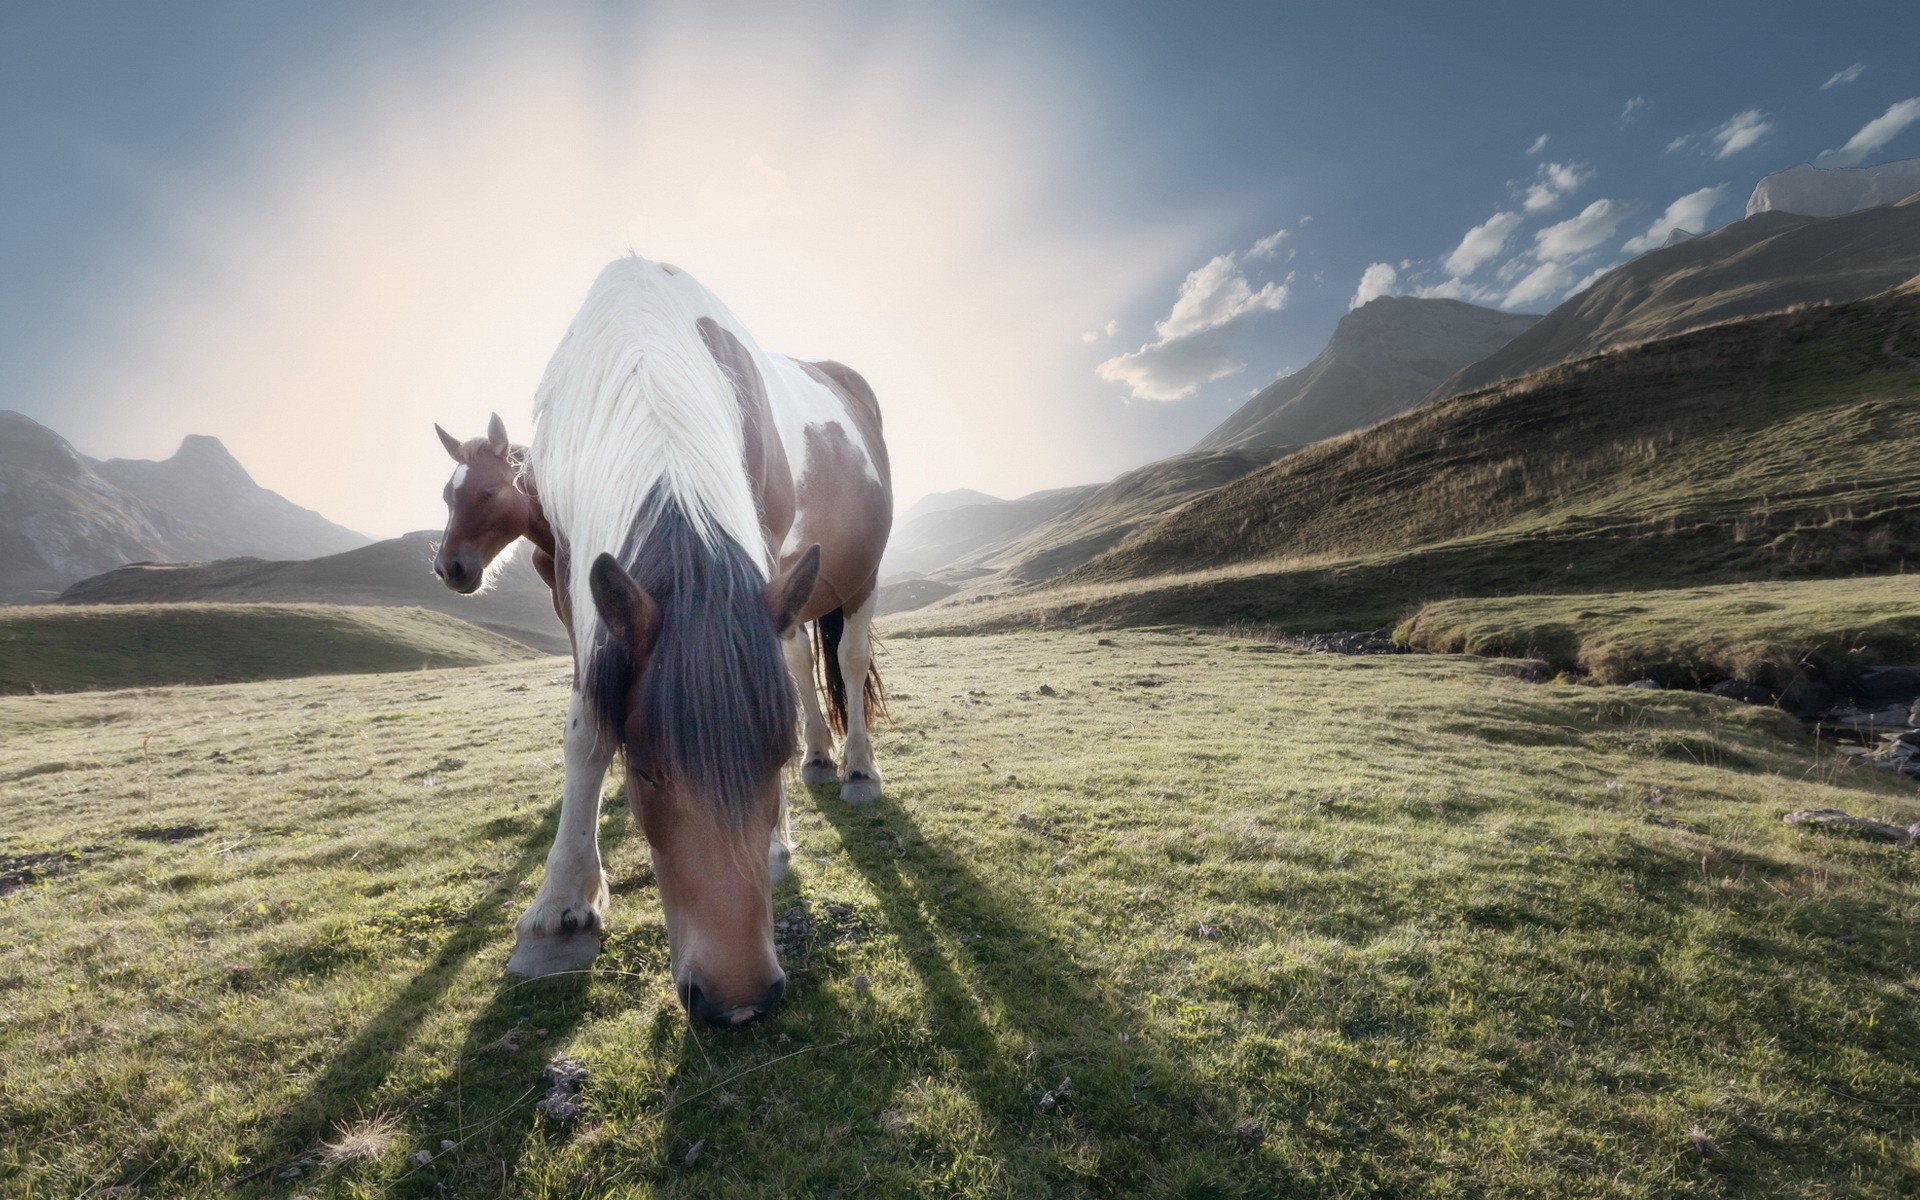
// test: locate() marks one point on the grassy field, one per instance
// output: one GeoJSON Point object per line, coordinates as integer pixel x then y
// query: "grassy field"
{"type": "Point", "coordinates": [1292, 925]}
{"type": "Point", "coordinates": [65, 648]}
{"type": "Point", "coordinates": [1683, 637]}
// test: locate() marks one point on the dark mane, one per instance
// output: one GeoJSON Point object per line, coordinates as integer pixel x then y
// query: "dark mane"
{"type": "Point", "coordinates": [715, 699]}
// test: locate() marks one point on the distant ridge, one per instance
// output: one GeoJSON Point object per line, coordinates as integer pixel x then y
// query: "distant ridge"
{"type": "Point", "coordinates": [393, 573]}
{"type": "Point", "coordinates": [1830, 191]}
{"type": "Point", "coordinates": [64, 516]}
{"type": "Point", "coordinates": [1384, 356]}
{"type": "Point", "coordinates": [1767, 262]}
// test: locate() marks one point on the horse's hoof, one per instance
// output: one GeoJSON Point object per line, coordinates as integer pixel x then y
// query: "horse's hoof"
{"type": "Point", "coordinates": [816, 771]}
{"type": "Point", "coordinates": [778, 856]}
{"type": "Point", "coordinates": [860, 789]}
{"type": "Point", "coordinates": [536, 957]}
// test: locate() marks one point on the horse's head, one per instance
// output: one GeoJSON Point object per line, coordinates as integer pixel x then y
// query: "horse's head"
{"type": "Point", "coordinates": [699, 693]}
{"type": "Point", "coordinates": [487, 508]}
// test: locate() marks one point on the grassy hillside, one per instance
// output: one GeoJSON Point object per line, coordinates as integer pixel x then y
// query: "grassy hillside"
{"type": "Point", "coordinates": [1767, 262]}
{"type": "Point", "coordinates": [65, 648]}
{"type": "Point", "coordinates": [393, 573]}
{"type": "Point", "coordinates": [1778, 447]}
{"type": "Point", "coordinates": [1540, 941]}
{"type": "Point", "coordinates": [1745, 631]}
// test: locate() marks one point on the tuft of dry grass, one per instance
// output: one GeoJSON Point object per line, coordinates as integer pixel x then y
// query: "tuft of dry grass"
{"type": "Point", "coordinates": [360, 1141]}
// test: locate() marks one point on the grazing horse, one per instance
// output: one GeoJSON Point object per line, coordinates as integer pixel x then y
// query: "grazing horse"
{"type": "Point", "coordinates": [704, 499]}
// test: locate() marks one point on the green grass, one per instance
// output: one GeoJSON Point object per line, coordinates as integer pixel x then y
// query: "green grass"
{"type": "Point", "coordinates": [64, 648]}
{"type": "Point", "coordinates": [1780, 447]}
{"type": "Point", "coordinates": [1426, 925]}
{"type": "Point", "coordinates": [1756, 632]}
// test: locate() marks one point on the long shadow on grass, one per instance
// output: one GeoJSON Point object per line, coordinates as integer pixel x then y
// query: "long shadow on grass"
{"type": "Point", "coordinates": [1135, 1120]}
{"type": "Point", "coordinates": [347, 1088]}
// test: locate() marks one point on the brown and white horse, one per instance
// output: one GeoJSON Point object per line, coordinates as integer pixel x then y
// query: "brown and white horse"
{"type": "Point", "coordinates": [694, 500]}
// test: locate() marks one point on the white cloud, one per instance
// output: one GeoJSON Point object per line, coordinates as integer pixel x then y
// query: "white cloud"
{"type": "Point", "coordinates": [1539, 144]}
{"type": "Point", "coordinates": [1376, 281]}
{"type": "Point", "coordinates": [1196, 338]}
{"type": "Point", "coordinates": [1847, 76]}
{"type": "Point", "coordinates": [1631, 110]}
{"type": "Point", "coordinates": [1739, 132]}
{"type": "Point", "coordinates": [1680, 143]}
{"type": "Point", "coordinates": [1689, 212]}
{"type": "Point", "coordinates": [1873, 135]}
{"type": "Point", "coordinates": [1213, 294]}
{"type": "Point", "coordinates": [1482, 243]}
{"type": "Point", "coordinates": [1266, 246]}
{"type": "Point", "coordinates": [1105, 331]}
{"type": "Point", "coordinates": [1544, 280]}
{"type": "Point", "coordinates": [1459, 289]}
{"type": "Point", "coordinates": [1175, 368]}
{"type": "Point", "coordinates": [1577, 235]}
{"type": "Point", "coordinates": [1556, 181]}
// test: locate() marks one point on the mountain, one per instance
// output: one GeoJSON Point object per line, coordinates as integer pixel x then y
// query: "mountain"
{"type": "Point", "coordinates": [934, 502]}
{"type": "Point", "coordinates": [1830, 191]}
{"type": "Point", "coordinates": [1767, 262]}
{"type": "Point", "coordinates": [395, 572]}
{"type": "Point", "coordinates": [1384, 356]}
{"type": "Point", "coordinates": [936, 540]}
{"type": "Point", "coordinates": [1779, 446]}
{"type": "Point", "coordinates": [64, 516]}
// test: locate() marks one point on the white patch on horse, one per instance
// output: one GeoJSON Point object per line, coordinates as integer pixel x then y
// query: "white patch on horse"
{"type": "Point", "coordinates": [459, 477]}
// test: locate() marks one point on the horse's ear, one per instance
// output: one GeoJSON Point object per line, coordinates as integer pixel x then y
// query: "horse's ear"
{"type": "Point", "coordinates": [786, 593]}
{"type": "Point", "coordinates": [497, 436]}
{"type": "Point", "coordinates": [629, 614]}
{"type": "Point", "coordinates": [451, 442]}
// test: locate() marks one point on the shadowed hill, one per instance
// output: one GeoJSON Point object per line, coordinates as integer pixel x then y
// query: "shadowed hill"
{"type": "Point", "coordinates": [1384, 357]}
{"type": "Point", "coordinates": [395, 572]}
{"type": "Point", "coordinates": [1765, 263]}
{"type": "Point", "coordinates": [65, 648]}
{"type": "Point", "coordinates": [1778, 446]}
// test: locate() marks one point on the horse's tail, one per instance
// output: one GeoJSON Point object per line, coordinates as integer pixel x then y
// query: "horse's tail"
{"type": "Point", "coordinates": [830, 628]}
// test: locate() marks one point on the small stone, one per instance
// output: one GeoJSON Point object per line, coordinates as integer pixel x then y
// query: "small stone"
{"type": "Point", "coordinates": [1566, 1024]}
{"type": "Point", "coordinates": [1702, 1145]}
{"type": "Point", "coordinates": [421, 1158]}
{"type": "Point", "coordinates": [1124, 1037]}
{"type": "Point", "coordinates": [292, 1172]}
{"type": "Point", "coordinates": [1047, 690]}
{"type": "Point", "coordinates": [1066, 1087]}
{"type": "Point", "coordinates": [1023, 820]}
{"type": "Point", "coordinates": [447, 1146]}
{"type": "Point", "coordinates": [693, 1153]}
{"type": "Point", "coordinates": [1644, 685]}
{"type": "Point", "coordinates": [948, 890]}
{"type": "Point", "coordinates": [861, 985]}
{"type": "Point", "coordinates": [1250, 1133]}
{"type": "Point", "coordinates": [1048, 1103]}
{"type": "Point", "coordinates": [1104, 642]}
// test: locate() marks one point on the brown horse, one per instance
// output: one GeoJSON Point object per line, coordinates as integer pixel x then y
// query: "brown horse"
{"type": "Point", "coordinates": [698, 501]}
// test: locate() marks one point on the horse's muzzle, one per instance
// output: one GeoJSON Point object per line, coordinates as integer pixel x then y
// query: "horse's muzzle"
{"type": "Point", "coordinates": [462, 574]}
{"type": "Point", "coordinates": [705, 1011]}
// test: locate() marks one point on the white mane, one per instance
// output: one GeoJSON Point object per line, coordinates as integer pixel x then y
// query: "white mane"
{"type": "Point", "coordinates": [633, 399]}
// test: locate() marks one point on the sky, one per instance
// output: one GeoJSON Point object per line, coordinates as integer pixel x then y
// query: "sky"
{"type": "Point", "coordinates": [1060, 239]}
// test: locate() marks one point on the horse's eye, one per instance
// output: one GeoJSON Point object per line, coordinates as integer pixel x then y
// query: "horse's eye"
{"type": "Point", "coordinates": [491, 493]}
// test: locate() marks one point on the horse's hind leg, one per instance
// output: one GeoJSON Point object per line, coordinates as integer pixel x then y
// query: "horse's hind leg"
{"type": "Point", "coordinates": [817, 767]}
{"type": "Point", "coordinates": [861, 783]}
{"type": "Point", "coordinates": [561, 931]}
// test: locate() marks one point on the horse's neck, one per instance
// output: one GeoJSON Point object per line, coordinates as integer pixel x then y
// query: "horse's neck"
{"type": "Point", "coordinates": [539, 530]}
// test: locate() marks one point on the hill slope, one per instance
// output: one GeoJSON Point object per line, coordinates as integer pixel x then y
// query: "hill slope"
{"type": "Point", "coordinates": [390, 573]}
{"type": "Point", "coordinates": [1384, 356]}
{"type": "Point", "coordinates": [64, 516]}
{"type": "Point", "coordinates": [65, 648]}
{"type": "Point", "coordinates": [1774, 447]}
{"type": "Point", "coordinates": [1765, 263]}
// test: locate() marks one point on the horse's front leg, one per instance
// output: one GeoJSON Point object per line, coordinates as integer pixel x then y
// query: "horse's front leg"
{"type": "Point", "coordinates": [817, 767]}
{"type": "Point", "coordinates": [561, 931]}
{"type": "Point", "coordinates": [861, 783]}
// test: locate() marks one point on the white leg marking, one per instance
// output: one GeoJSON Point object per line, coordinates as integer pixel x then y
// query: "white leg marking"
{"type": "Point", "coordinates": [561, 931]}
{"type": "Point", "coordinates": [817, 765]}
{"type": "Point", "coordinates": [861, 783]}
